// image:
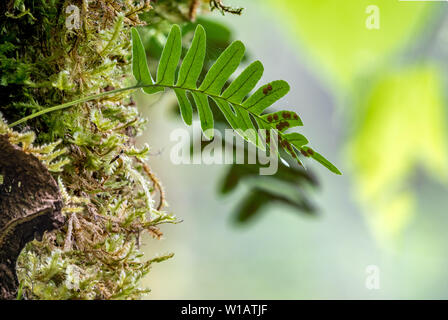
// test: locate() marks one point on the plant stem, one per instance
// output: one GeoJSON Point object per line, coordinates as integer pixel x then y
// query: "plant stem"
{"type": "Point", "coordinates": [111, 92]}
{"type": "Point", "coordinates": [70, 104]}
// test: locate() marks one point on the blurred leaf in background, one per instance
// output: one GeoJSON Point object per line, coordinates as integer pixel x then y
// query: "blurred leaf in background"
{"type": "Point", "coordinates": [334, 32]}
{"type": "Point", "coordinates": [398, 120]}
{"type": "Point", "coordinates": [402, 129]}
{"type": "Point", "coordinates": [288, 186]}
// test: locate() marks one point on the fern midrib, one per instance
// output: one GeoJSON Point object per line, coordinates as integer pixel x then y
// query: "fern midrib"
{"type": "Point", "coordinates": [191, 64]}
{"type": "Point", "coordinates": [137, 86]}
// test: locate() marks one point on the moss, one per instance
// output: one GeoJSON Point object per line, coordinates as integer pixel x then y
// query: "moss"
{"type": "Point", "coordinates": [108, 189]}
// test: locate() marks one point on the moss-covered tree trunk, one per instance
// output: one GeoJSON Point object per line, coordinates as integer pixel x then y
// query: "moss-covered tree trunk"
{"type": "Point", "coordinates": [78, 165]}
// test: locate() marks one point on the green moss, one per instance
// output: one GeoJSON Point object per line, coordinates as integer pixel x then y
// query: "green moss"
{"type": "Point", "coordinates": [107, 188]}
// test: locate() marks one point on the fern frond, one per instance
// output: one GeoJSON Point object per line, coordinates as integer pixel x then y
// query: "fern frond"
{"type": "Point", "coordinates": [239, 107]}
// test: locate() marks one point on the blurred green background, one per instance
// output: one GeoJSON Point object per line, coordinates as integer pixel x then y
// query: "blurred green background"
{"type": "Point", "coordinates": [373, 101]}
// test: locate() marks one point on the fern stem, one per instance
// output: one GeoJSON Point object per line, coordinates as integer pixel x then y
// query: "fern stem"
{"type": "Point", "coordinates": [111, 92]}
{"type": "Point", "coordinates": [70, 104]}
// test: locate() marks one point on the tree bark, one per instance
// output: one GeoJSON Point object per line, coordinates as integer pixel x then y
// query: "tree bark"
{"type": "Point", "coordinates": [30, 204]}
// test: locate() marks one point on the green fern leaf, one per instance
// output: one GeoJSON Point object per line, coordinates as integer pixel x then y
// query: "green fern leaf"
{"type": "Point", "coordinates": [244, 84]}
{"type": "Point", "coordinates": [189, 73]}
{"type": "Point", "coordinates": [296, 139]}
{"type": "Point", "coordinates": [205, 113]}
{"type": "Point", "coordinates": [223, 68]}
{"type": "Point", "coordinates": [241, 109]}
{"type": "Point", "coordinates": [265, 96]}
{"type": "Point", "coordinates": [139, 63]}
{"type": "Point", "coordinates": [170, 57]}
{"type": "Point", "coordinates": [320, 158]}
{"type": "Point", "coordinates": [282, 120]}
{"type": "Point", "coordinates": [186, 110]}
{"type": "Point", "coordinates": [194, 61]}
{"type": "Point", "coordinates": [239, 121]}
